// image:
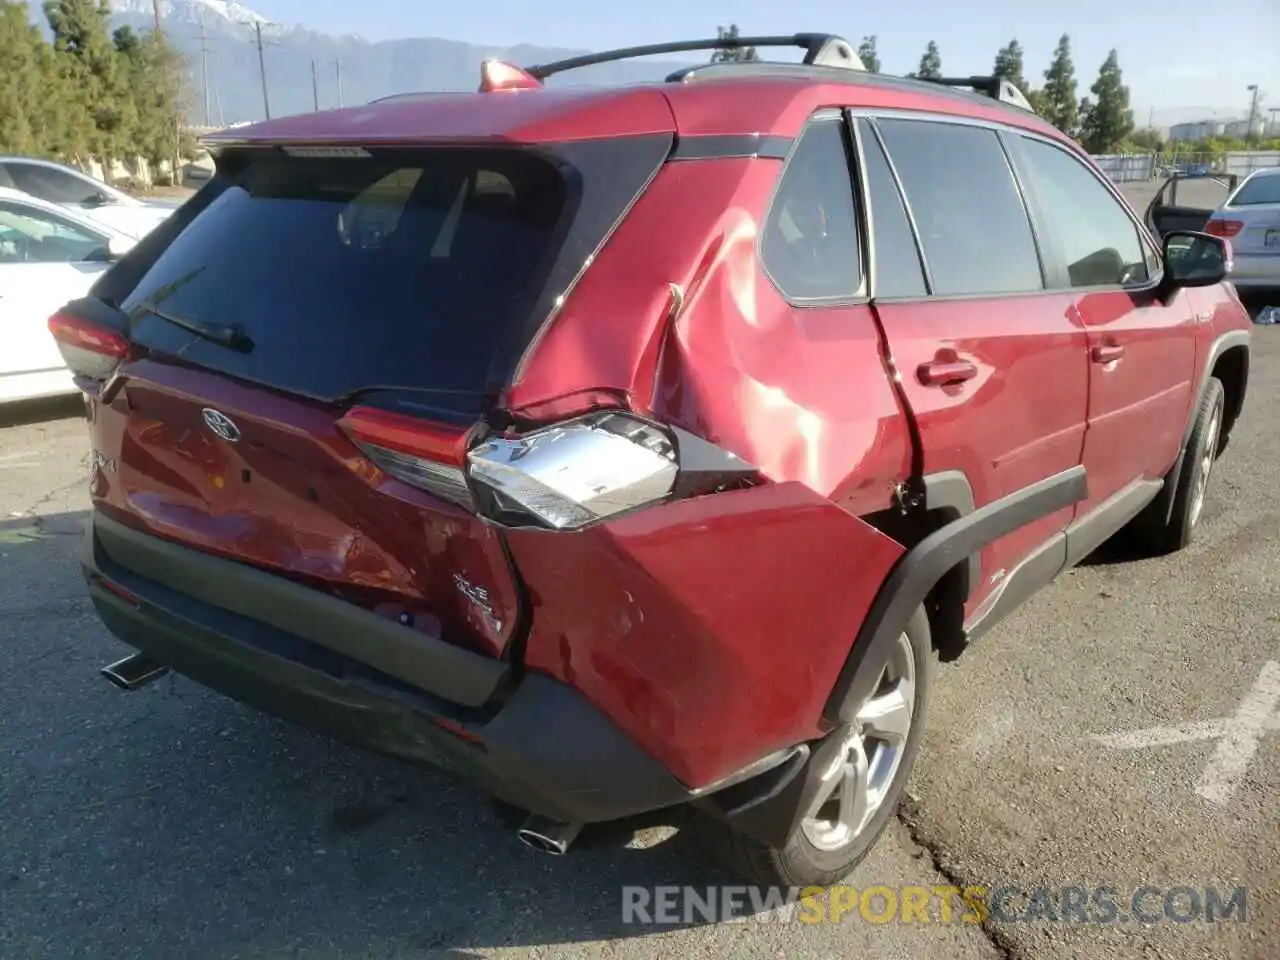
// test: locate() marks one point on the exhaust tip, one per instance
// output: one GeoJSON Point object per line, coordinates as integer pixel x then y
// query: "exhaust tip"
{"type": "Point", "coordinates": [536, 841]}
{"type": "Point", "coordinates": [548, 836]}
{"type": "Point", "coordinates": [134, 672]}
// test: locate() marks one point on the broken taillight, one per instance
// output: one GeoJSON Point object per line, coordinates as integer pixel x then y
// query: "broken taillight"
{"type": "Point", "coordinates": [560, 477]}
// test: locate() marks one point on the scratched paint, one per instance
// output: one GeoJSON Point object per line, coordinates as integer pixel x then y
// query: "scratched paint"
{"type": "Point", "coordinates": [1237, 737]}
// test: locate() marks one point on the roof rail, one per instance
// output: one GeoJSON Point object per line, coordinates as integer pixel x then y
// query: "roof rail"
{"type": "Point", "coordinates": [997, 88]}
{"type": "Point", "coordinates": [821, 50]}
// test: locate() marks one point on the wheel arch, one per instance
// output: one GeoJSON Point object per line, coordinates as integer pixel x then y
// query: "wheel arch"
{"type": "Point", "coordinates": [1228, 355]}
{"type": "Point", "coordinates": [921, 571]}
{"type": "Point", "coordinates": [1230, 366]}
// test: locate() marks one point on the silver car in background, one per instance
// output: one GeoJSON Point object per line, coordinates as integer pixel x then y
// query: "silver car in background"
{"type": "Point", "coordinates": [76, 190]}
{"type": "Point", "coordinates": [1250, 219]}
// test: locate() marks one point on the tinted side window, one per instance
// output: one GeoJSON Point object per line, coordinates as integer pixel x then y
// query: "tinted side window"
{"type": "Point", "coordinates": [810, 242]}
{"type": "Point", "coordinates": [1092, 233]}
{"type": "Point", "coordinates": [972, 222]}
{"type": "Point", "coordinates": [898, 269]}
{"type": "Point", "coordinates": [52, 185]}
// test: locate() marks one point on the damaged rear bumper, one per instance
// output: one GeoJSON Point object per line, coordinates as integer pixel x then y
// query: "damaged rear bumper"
{"type": "Point", "coordinates": [529, 740]}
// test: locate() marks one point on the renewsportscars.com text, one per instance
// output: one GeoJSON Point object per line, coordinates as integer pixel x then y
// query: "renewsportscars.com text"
{"type": "Point", "coordinates": [671, 905]}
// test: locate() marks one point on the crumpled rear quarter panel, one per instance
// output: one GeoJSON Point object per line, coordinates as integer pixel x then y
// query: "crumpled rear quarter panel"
{"type": "Point", "coordinates": [711, 629]}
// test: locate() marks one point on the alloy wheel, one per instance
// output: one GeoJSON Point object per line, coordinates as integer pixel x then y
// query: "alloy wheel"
{"type": "Point", "coordinates": [855, 785]}
{"type": "Point", "coordinates": [1207, 456]}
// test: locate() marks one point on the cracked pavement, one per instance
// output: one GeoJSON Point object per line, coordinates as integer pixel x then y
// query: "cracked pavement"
{"type": "Point", "coordinates": [174, 822]}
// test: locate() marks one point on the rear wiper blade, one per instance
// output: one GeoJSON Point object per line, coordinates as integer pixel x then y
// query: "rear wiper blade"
{"type": "Point", "coordinates": [231, 336]}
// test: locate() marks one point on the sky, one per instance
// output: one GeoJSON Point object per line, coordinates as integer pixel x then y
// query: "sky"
{"type": "Point", "coordinates": [1176, 55]}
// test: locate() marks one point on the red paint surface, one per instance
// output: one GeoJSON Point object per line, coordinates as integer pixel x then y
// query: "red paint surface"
{"type": "Point", "coordinates": [1140, 402]}
{"type": "Point", "coordinates": [1021, 419]}
{"type": "Point", "coordinates": [801, 393]}
{"type": "Point", "coordinates": [711, 629]}
{"type": "Point", "coordinates": [772, 105]}
{"type": "Point", "coordinates": [311, 507]}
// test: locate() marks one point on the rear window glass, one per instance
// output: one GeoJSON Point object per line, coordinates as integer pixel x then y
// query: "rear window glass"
{"type": "Point", "coordinates": [422, 270]}
{"type": "Point", "coordinates": [1258, 190]}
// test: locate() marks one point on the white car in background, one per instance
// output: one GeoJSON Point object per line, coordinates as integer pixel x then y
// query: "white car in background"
{"type": "Point", "coordinates": [49, 255]}
{"type": "Point", "coordinates": [69, 187]}
{"type": "Point", "coordinates": [1250, 219]}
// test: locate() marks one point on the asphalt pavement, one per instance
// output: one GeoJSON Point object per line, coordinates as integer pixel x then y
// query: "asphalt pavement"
{"type": "Point", "coordinates": [1120, 731]}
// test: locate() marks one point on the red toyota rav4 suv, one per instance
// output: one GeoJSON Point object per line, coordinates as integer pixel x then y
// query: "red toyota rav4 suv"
{"type": "Point", "coordinates": [620, 448]}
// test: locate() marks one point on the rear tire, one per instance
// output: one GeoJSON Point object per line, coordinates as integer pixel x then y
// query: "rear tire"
{"type": "Point", "coordinates": [861, 789]}
{"type": "Point", "coordinates": [1159, 535]}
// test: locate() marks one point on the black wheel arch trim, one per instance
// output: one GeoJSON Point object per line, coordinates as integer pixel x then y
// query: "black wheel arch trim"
{"type": "Point", "coordinates": [921, 567]}
{"type": "Point", "coordinates": [950, 490]}
{"type": "Point", "coordinates": [1227, 341]}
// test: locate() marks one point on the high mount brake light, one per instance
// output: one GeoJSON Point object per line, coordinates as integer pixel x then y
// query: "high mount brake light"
{"type": "Point", "coordinates": [426, 455]}
{"type": "Point", "coordinates": [90, 350]}
{"type": "Point", "coordinates": [496, 75]}
{"type": "Point", "coordinates": [574, 473]}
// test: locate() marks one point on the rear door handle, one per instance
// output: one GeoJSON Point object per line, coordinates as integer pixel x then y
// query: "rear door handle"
{"type": "Point", "coordinates": [940, 373]}
{"type": "Point", "coordinates": [1107, 353]}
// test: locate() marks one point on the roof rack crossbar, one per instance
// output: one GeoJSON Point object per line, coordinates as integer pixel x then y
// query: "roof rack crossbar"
{"type": "Point", "coordinates": [996, 87]}
{"type": "Point", "coordinates": [817, 47]}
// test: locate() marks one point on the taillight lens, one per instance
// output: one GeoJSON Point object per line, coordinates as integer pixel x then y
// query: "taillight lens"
{"type": "Point", "coordinates": [560, 477]}
{"type": "Point", "coordinates": [1224, 228]}
{"type": "Point", "coordinates": [571, 474]}
{"type": "Point", "coordinates": [89, 349]}
{"type": "Point", "coordinates": [426, 455]}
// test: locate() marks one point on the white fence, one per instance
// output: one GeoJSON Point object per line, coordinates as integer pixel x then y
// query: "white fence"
{"type": "Point", "coordinates": [1135, 167]}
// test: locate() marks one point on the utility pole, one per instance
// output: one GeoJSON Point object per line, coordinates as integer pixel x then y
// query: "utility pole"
{"type": "Point", "coordinates": [1271, 127]}
{"type": "Point", "coordinates": [262, 69]}
{"type": "Point", "coordinates": [337, 72]}
{"type": "Point", "coordinates": [1253, 113]}
{"type": "Point", "coordinates": [155, 7]}
{"type": "Point", "coordinates": [204, 68]}
{"type": "Point", "coordinates": [315, 86]}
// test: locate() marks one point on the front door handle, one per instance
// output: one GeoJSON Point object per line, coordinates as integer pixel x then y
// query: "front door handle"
{"type": "Point", "coordinates": [1107, 353]}
{"type": "Point", "coordinates": [941, 373]}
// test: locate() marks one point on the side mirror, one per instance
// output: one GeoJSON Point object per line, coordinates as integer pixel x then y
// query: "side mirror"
{"type": "Point", "coordinates": [96, 200]}
{"type": "Point", "coordinates": [117, 247]}
{"type": "Point", "coordinates": [1194, 259]}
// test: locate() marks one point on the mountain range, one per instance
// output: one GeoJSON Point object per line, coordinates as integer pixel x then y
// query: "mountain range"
{"type": "Point", "coordinates": [218, 37]}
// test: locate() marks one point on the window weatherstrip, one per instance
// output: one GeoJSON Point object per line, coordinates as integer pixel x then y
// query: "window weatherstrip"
{"type": "Point", "coordinates": [906, 206]}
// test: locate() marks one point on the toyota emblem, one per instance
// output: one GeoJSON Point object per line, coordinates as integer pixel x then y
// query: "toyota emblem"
{"type": "Point", "coordinates": [221, 424]}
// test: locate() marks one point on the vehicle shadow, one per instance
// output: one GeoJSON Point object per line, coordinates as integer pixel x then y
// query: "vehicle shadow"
{"type": "Point", "coordinates": [173, 821]}
{"type": "Point", "coordinates": [1115, 552]}
{"type": "Point", "coordinates": [24, 412]}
